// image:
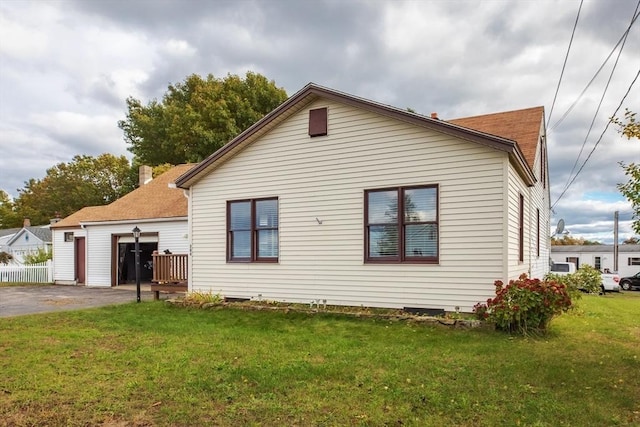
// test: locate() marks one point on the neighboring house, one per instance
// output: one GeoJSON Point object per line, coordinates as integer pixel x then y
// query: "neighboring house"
{"type": "Point", "coordinates": [7, 234]}
{"type": "Point", "coordinates": [25, 240]}
{"type": "Point", "coordinates": [335, 198]}
{"type": "Point", "coordinates": [94, 246]}
{"type": "Point", "coordinates": [600, 257]}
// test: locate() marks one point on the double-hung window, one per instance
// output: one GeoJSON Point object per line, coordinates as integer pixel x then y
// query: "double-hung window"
{"type": "Point", "coordinates": [401, 224]}
{"type": "Point", "coordinates": [252, 230]}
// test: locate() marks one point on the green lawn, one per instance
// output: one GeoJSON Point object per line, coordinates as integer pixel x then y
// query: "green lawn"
{"type": "Point", "coordinates": [152, 364]}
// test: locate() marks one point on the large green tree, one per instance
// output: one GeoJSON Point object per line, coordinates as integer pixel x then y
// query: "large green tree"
{"type": "Point", "coordinates": [631, 189]}
{"type": "Point", "coordinates": [68, 187]}
{"type": "Point", "coordinates": [8, 216]}
{"type": "Point", "coordinates": [196, 117]}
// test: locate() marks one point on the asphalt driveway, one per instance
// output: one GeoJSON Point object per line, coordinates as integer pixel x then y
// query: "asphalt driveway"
{"type": "Point", "coordinates": [20, 300]}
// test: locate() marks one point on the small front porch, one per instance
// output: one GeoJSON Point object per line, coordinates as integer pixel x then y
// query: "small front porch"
{"type": "Point", "coordinates": [170, 273]}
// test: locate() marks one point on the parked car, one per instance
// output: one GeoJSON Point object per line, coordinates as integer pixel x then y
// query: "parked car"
{"type": "Point", "coordinates": [610, 282]}
{"type": "Point", "coordinates": [630, 282]}
{"type": "Point", "coordinates": [563, 268]}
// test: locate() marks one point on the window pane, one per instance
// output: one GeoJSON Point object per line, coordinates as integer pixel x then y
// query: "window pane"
{"type": "Point", "coordinates": [420, 205]}
{"type": "Point", "coordinates": [383, 207]}
{"type": "Point", "coordinates": [267, 214]}
{"type": "Point", "coordinates": [240, 216]}
{"type": "Point", "coordinates": [241, 244]}
{"type": "Point", "coordinates": [421, 240]}
{"type": "Point", "coordinates": [383, 241]}
{"type": "Point", "coordinates": [267, 243]}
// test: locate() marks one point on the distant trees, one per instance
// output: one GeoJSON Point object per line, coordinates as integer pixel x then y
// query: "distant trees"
{"type": "Point", "coordinates": [631, 241]}
{"type": "Point", "coordinates": [567, 240]}
{"type": "Point", "coordinates": [68, 187]}
{"type": "Point", "coordinates": [196, 117]}
{"type": "Point", "coordinates": [629, 128]}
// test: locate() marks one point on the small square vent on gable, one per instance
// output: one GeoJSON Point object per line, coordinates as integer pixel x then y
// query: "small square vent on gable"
{"type": "Point", "coordinates": [318, 122]}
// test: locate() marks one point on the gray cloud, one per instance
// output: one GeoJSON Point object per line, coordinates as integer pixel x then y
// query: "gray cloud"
{"type": "Point", "coordinates": [68, 67]}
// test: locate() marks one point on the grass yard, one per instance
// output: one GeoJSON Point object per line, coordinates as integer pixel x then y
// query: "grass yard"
{"type": "Point", "coordinates": [152, 364]}
{"type": "Point", "coordinates": [13, 284]}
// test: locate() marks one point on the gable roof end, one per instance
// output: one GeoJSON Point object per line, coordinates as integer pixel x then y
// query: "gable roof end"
{"type": "Point", "coordinates": [311, 92]}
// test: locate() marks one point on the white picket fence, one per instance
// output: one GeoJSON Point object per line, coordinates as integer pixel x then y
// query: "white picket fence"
{"type": "Point", "coordinates": [35, 273]}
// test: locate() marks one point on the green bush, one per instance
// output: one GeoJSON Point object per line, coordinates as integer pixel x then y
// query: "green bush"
{"type": "Point", "coordinates": [525, 305]}
{"type": "Point", "coordinates": [586, 279]}
{"type": "Point", "coordinates": [589, 279]}
{"type": "Point", "coordinates": [38, 256]}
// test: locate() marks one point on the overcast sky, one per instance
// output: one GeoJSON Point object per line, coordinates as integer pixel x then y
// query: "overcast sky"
{"type": "Point", "coordinates": [66, 68]}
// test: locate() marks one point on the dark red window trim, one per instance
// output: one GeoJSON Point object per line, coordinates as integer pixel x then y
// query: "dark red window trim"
{"type": "Point", "coordinates": [521, 230]}
{"type": "Point", "coordinates": [538, 232]}
{"type": "Point", "coordinates": [254, 234]}
{"type": "Point", "coordinates": [401, 224]}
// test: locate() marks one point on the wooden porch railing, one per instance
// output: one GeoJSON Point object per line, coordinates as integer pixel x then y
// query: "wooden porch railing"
{"type": "Point", "coordinates": [170, 268]}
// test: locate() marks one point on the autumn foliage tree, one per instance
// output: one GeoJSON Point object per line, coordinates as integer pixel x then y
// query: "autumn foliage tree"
{"type": "Point", "coordinates": [196, 117]}
{"type": "Point", "coordinates": [567, 240]}
{"type": "Point", "coordinates": [630, 128]}
{"type": "Point", "coordinates": [68, 187]}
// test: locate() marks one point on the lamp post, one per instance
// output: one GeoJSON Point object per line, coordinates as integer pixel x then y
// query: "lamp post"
{"type": "Point", "coordinates": [136, 236]}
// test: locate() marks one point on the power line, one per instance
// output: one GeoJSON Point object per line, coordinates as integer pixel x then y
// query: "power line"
{"type": "Point", "coordinates": [575, 25]}
{"type": "Point", "coordinates": [624, 35]}
{"type": "Point", "coordinates": [595, 115]}
{"type": "Point", "coordinates": [598, 141]}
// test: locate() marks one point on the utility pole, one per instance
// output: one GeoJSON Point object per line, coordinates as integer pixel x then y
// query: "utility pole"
{"type": "Point", "coordinates": [615, 241]}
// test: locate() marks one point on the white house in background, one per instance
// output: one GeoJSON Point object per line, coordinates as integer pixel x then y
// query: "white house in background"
{"type": "Point", "coordinates": [94, 246]}
{"type": "Point", "coordinates": [339, 198]}
{"type": "Point", "coordinates": [25, 240]}
{"type": "Point", "coordinates": [600, 257]}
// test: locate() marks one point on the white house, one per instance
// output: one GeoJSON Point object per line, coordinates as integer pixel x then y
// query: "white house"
{"type": "Point", "coordinates": [601, 257]}
{"type": "Point", "coordinates": [336, 198]}
{"type": "Point", "coordinates": [94, 246]}
{"type": "Point", "coordinates": [25, 240]}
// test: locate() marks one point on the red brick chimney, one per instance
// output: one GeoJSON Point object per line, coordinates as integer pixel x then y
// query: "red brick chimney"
{"type": "Point", "coordinates": [434, 116]}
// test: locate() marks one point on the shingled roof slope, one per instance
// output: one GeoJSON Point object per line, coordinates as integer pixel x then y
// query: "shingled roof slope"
{"type": "Point", "coordinates": [522, 126]}
{"type": "Point", "coordinates": [152, 200]}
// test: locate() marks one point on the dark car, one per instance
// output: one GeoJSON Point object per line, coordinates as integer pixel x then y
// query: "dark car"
{"type": "Point", "coordinates": [630, 282]}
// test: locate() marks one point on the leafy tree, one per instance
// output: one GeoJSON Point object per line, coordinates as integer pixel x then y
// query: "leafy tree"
{"type": "Point", "coordinates": [196, 117]}
{"type": "Point", "coordinates": [631, 241]}
{"type": "Point", "coordinates": [8, 216]}
{"type": "Point", "coordinates": [68, 187]}
{"type": "Point", "coordinates": [631, 190]}
{"type": "Point", "coordinates": [567, 240]}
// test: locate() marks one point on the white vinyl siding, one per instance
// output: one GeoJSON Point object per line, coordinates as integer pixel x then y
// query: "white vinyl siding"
{"type": "Point", "coordinates": [64, 255]}
{"type": "Point", "coordinates": [323, 180]}
{"type": "Point", "coordinates": [539, 198]}
{"type": "Point", "coordinates": [517, 188]}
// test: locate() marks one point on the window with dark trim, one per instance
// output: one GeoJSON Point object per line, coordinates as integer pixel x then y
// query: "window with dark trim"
{"type": "Point", "coordinates": [597, 263]}
{"type": "Point", "coordinates": [633, 261]}
{"type": "Point", "coordinates": [318, 122]}
{"type": "Point", "coordinates": [521, 230]}
{"type": "Point", "coordinates": [401, 224]}
{"type": "Point", "coordinates": [252, 230]}
{"type": "Point", "coordinates": [68, 236]}
{"type": "Point", "coordinates": [538, 232]}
